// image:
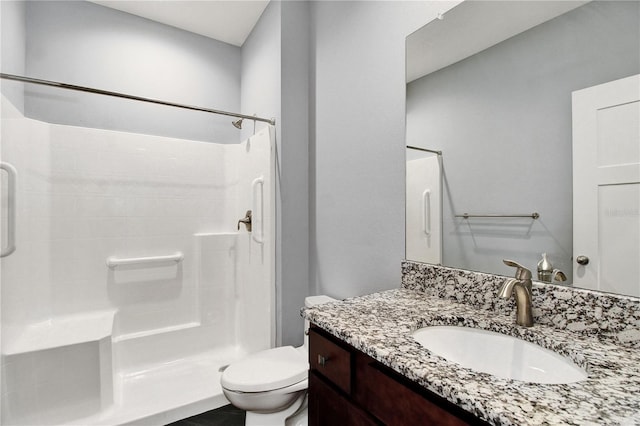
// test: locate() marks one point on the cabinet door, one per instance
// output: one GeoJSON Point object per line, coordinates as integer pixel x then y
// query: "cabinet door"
{"type": "Point", "coordinates": [329, 408]}
{"type": "Point", "coordinates": [394, 403]}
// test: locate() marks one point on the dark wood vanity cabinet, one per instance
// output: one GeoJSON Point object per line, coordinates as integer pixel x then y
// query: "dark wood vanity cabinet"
{"type": "Point", "coordinates": [347, 387]}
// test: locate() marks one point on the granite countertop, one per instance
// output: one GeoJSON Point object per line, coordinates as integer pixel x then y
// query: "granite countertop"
{"type": "Point", "coordinates": [381, 324]}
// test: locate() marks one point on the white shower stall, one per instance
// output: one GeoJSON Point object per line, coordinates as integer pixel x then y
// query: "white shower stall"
{"type": "Point", "coordinates": [132, 282]}
{"type": "Point", "coordinates": [423, 208]}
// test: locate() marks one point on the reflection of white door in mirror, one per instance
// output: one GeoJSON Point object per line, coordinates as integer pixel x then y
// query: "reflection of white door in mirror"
{"type": "Point", "coordinates": [423, 207]}
{"type": "Point", "coordinates": [606, 186]}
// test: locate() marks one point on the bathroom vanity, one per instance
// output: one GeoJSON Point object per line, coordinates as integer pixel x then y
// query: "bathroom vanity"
{"type": "Point", "coordinates": [348, 387]}
{"type": "Point", "coordinates": [366, 368]}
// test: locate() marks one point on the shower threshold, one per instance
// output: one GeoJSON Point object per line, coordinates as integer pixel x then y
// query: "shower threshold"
{"type": "Point", "coordinates": [165, 393]}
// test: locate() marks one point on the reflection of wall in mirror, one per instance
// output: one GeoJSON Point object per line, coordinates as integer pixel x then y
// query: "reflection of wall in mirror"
{"type": "Point", "coordinates": [423, 221]}
{"type": "Point", "coordinates": [503, 118]}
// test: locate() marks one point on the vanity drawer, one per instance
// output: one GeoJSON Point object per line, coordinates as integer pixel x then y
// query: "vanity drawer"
{"type": "Point", "coordinates": [330, 360]}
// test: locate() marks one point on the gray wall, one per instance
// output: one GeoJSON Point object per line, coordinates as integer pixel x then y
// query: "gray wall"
{"type": "Point", "coordinates": [12, 48]}
{"type": "Point", "coordinates": [294, 167]}
{"type": "Point", "coordinates": [89, 45]}
{"type": "Point", "coordinates": [275, 82]}
{"type": "Point", "coordinates": [357, 143]}
{"type": "Point", "coordinates": [340, 111]}
{"type": "Point", "coordinates": [260, 71]}
{"type": "Point", "coordinates": [503, 121]}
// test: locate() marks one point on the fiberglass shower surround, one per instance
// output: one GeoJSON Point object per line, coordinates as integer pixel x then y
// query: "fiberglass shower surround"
{"type": "Point", "coordinates": [130, 286]}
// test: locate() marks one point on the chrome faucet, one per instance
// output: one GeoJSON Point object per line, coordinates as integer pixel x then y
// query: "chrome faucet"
{"type": "Point", "coordinates": [522, 286]}
{"type": "Point", "coordinates": [558, 275]}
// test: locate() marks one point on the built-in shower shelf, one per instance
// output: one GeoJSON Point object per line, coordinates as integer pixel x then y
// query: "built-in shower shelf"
{"type": "Point", "coordinates": [57, 332]}
{"type": "Point", "coordinates": [162, 330]}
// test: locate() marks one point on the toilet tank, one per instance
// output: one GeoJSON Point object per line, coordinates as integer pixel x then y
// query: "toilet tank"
{"type": "Point", "coordinates": [313, 301]}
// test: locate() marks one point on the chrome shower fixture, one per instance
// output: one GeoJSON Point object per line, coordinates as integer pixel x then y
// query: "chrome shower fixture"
{"type": "Point", "coordinates": [238, 123]}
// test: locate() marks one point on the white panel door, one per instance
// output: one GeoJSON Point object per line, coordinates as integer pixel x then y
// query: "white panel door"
{"type": "Point", "coordinates": [423, 218]}
{"type": "Point", "coordinates": [606, 186]}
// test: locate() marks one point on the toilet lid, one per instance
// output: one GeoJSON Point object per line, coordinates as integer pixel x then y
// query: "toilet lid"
{"type": "Point", "coordinates": [266, 370]}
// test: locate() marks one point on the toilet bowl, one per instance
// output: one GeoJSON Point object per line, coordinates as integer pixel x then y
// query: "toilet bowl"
{"type": "Point", "coordinates": [266, 381]}
{"type": "Point", "coordinates": [271, 385]}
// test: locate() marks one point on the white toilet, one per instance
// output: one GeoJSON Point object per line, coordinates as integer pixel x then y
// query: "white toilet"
{"type": "Point", "coordinates": [271, 384]}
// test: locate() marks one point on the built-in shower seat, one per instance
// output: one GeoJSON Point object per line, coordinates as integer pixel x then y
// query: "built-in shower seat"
{"type": "Point", "coordinates": [65, 361]}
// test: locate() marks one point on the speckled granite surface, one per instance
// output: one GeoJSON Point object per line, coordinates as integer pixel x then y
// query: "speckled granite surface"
{"type": "Point", "coordinates": [584, 311]}
{"type": "Point", "coordinates": [380, 325]}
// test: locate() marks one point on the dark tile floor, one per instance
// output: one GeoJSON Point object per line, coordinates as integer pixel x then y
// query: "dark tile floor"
{"type": "Point", "coordinates": [223, 416]}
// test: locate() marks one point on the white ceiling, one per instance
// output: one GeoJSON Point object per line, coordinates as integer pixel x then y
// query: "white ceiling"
{"type": "Point", "coordinates": [230, 21]}
{"type": "Point", "coordinates": [473, 26]}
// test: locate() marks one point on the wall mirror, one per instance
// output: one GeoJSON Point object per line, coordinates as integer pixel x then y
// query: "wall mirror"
{"type": "Point", "coordinates": [508, 92]}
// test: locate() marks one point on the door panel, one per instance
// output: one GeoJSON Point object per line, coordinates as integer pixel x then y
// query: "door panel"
{"type": "Point", "coordinates": [606, 186]}
{"type": "Point", "coordinates": [619, 238]}
{"type": "Point", "coordinates": [618, 141]}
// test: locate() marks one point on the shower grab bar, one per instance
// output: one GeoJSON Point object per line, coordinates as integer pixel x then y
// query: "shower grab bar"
{"type": "Point", "coordinates": [254, 192]}
{"type": "Point", "coordinates": [426, 212]}
{"type": "Point", "coordinates": [113, 261]}
{"type": "Point", "coordinates": [11, 208]}
{"type": "Point", "coordinates": [534, 215]}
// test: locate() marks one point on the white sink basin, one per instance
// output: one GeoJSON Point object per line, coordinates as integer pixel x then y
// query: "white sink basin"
{"type": "Point", "coordinates": [498, 354]}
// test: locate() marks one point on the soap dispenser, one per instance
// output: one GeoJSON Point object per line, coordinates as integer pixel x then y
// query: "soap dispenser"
{"type": "Point", "coordinates": [545, 269]}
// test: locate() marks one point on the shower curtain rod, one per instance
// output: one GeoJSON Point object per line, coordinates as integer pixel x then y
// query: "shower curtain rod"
{"type": "Point", "coordinates": [13, 77]}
